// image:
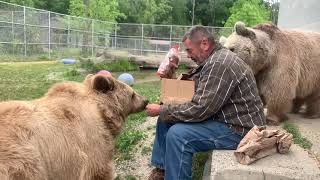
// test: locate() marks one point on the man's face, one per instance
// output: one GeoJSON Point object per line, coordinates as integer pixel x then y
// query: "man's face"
{"type": "Point", "coordinates": [195, 51]}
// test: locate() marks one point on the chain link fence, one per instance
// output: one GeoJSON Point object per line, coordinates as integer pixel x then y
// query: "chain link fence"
{"type": "Point", "coordinates": [38, 34]}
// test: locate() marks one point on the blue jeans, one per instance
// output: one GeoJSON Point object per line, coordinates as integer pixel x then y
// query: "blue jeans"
{"type": "Point", "coordinates": [175, 144]}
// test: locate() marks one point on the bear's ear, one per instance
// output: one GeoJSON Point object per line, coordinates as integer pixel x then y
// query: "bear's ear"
{"type": "Point", "coordinates": [103, 83]}
{"type": "Point", "coordinates": [222, 40]}
{"type": "Point", "coordinates": [88, 76]}
{"type": "Point", "coordinates": [268, 28]}
{"type": "Point", "coordinates": [242, 30]}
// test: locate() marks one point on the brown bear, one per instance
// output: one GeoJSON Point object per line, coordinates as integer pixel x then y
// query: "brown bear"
{"type": "Point", "coordinates": [67, 134]}
{"type": "Point", "coordinates": [286, 64]}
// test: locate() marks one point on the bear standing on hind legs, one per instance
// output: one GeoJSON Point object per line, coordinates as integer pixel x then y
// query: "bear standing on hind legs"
{"type": "Point", "coordinates": [286, 65]}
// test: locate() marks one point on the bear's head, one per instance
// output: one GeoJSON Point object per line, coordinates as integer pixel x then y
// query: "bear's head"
{"type": "Point", "coordinates": [115, 100]}
{"type": "Point", "coordinates": [111, 92]}
{"type": "Point", "coordinates": [253, 45]}
{"type": "Point", "coordinates": [106, 97]}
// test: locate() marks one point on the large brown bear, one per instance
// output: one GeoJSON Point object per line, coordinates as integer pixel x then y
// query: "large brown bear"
{"type": "Point", "coordinates": [67, 134]}
{"type": "Point", "coordinates": [286, 66]}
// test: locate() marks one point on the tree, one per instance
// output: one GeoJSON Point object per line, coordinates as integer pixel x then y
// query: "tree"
{"type": "Point", "coordinates": [210, 12]}
{"type": "Point", "coordinates": [251, 12]}
{"type": "Point", "coordinates": [59, 6]}
{"type": "Point", "coordinates": [106, 10]}
{"type": "Point", "coordinates": [273, 6]}
{"type": "Point", "coordinates": [145, 11]}
{"type": "Point", "coordinates": [30, 3]}
{"type": "Point", "coordinates": [179, 12]}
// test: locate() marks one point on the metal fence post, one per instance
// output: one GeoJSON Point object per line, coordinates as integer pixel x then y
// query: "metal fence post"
{"type": "Point", "coordinates": [170, 35]}
{"type": "Point", "coordinates": [12, 32]}
{"type": "Point", "coordinates": [92, 37]}
{"type": "Point", "coordinates": [115, 35]}
{"type": "Point", "coordinates": [68, 35]}
{"type": "Point", "coordinates": [24, 31]}
{"type": "Point", "coordinates": [49, 34]}
{"type": "Point", "coordinates": [141, 44]}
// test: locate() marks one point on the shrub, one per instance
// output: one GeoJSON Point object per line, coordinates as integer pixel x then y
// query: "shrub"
{"type": "Point", "coordinates": [116, 66]}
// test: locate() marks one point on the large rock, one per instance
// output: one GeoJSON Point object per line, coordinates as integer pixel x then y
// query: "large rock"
{"type": "Point", "coordinates": [296, 165]}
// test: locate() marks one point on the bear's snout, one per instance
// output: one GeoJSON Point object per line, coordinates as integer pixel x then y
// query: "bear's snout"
{"type": "Point", "coordinates": [146, 102]}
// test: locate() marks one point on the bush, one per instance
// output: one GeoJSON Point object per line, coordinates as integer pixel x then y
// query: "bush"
{"type": "Point", "coordinates": [116, 66]}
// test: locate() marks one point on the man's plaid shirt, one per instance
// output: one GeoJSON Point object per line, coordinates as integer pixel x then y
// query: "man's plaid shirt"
{"type": "Point", "coordinates": [225, 90]}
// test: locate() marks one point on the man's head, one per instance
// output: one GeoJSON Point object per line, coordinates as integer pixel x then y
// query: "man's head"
{"type": "Point", "coordinates": [198, 43]}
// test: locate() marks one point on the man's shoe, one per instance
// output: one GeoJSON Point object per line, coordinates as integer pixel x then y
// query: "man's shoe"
{"type": "Point", "coordinates": [156, 174]}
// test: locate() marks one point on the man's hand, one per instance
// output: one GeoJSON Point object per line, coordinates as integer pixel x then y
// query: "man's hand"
{"type": "Point", "coordinates": [153, 110]}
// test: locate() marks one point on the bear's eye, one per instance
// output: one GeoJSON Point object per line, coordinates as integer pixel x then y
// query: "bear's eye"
{"type": "Point", "coordinates": [232, 49]}
{"type": "Point", "coordinates": [133, 95]}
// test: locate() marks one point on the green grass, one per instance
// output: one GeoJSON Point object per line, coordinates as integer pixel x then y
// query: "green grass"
{"type": "Point", "coordinates": [127, 177]}
{"type": "Point", "coordinates": [30, 80]}
{"type": "Point", "coordinates": [146, 150]}
{"type": "Point", "coordinates": [198, 163]}
{"type": "Point", "coordinates": [297, 137]}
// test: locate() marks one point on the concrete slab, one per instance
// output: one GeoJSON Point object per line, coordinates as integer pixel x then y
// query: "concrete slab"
{"type": "Point", "coordinates": [296, 165]}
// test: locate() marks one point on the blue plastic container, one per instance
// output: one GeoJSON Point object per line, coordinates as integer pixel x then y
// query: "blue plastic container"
{"type": "Point", "coordinates": [126, 78]}
{"type": "Point", "coordinates": [68, 61]}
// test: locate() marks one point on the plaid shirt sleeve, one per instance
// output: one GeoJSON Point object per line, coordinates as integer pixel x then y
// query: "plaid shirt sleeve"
{"type": "Point", "coordinates": [214, 88]}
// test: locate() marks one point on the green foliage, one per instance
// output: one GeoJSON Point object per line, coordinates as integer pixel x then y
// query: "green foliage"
{"type": "Point", "coordinates": [297, 137]}
{"type": "Point", "coordinates": [59, 6]}
{"type": "Point", "coordinates": [273, 6]}
{"type": "Point", "coordinates": [127, 177]}
{"type": "Point", "coordinates": [179, 13]}
{"type": "Point", "coordinates": [98, 9]}
{"type": "Point", "coordinates": [198, 163]}
{"type": "Point", "coordinates": [30, 3]}
{"type": "Point", "coordinates": [44, 57]}
{"type": "Point", "coordinates": [77, 8]}
{"type": "Point", "coordinates": [150, 91]}
{"type": "Point", "coordinates": [251, 12]}
{"type": "Point", "coordinates": [141, 11]}
{"type": "Point", "coordinates": [116, 66]}
{"type": "Point", "coordinates": [126, 142]}
{"type": "Point", "coordinates": [72, 73]}
{"type": "Point", "coordinates": [146, 150]}
{"type": "Point", "coordinates": [210, 12]}
{"type": "Point", "coordinates": [30, 80]}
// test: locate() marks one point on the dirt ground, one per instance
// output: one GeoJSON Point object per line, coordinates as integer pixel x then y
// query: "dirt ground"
{"type": "Point", "coordinates": [139, 167]}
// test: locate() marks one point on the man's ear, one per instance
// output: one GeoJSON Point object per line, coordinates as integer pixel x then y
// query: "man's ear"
{"type": "Point", "coordinates": [102, 83]}
{"type": "Point", "coordinates": [205, 44]}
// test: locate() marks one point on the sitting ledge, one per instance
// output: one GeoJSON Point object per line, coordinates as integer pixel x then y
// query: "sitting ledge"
{"type": "Point", "coordinates": [295, 165]}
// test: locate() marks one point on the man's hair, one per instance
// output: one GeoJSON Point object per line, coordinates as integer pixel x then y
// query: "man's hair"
{"type": "Point", "coordinates": [196, 33]}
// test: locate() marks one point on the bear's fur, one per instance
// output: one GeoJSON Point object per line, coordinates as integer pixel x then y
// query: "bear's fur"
{"type": "Point", "coordinates": [286, 64]}
{"type": "Point", "coordinates": [68, 133]}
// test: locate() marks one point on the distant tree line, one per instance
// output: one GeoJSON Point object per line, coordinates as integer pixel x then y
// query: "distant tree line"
{"type": "Point", "coordinates": [180, 12]}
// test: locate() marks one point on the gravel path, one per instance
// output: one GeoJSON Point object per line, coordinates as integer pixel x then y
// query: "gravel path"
{"type": "Point", "coordinates": [139, 166]}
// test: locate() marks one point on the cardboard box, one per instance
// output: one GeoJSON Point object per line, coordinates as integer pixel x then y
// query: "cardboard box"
{"type": "Point", "coordinates": [175, 91]}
